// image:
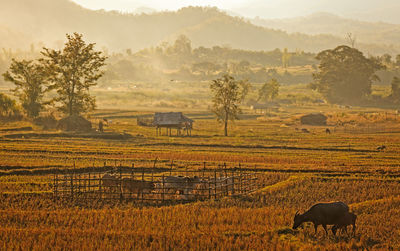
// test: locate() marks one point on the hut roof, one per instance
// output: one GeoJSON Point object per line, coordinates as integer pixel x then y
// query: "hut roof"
{"type": "Point", "coordinates": [170, 118]}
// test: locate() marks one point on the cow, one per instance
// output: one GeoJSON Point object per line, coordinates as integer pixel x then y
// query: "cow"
{"type": "Point", "coordinates": [322, 214]}
{"type": "Point", "coordinates": [177, 184]}
{"type": "Point", "coordinates": [328, 131]}
{"type": "Point", "coordinates": [347, 220]}
{"type": "Point", "coordinates": [305, 130]}
{"type": "Point", "coordinates": [110, 182]}
{"type": "Point", "coordinates": [138, 187]}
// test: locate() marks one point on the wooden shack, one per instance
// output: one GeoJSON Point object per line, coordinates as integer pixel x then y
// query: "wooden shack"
{"type": "Point", "coordinates": [173, 120]}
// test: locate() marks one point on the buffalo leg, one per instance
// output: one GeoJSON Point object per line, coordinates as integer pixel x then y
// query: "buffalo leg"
{"type": "Point", "coordinates": [326, 230]}
{"type": "Point", "coordinates": [315, 228]}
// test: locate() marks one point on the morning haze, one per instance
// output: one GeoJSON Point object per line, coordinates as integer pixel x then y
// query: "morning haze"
{"type": "Point", "coordinates": [199, 125]}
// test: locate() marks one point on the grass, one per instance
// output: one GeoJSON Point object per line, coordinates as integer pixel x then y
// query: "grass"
{"type": "Point", "coordinates": [299, 170]}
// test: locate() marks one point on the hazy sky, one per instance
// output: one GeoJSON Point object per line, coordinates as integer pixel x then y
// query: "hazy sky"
{"type": "Point", "coordinates": [376, 10]}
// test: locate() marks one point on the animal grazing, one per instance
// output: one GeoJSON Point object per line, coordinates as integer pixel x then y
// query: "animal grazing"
{"type": "Point", "coordinates": [327, 131]}
{"type": "Point", "coordinates": [381, 148]}
{"type": "Point", "coordinates": [305, 130]}
{"type": "Point", "coordinates": [322, 214]}
{"type": "Point", "coordinates": [138, 187]}
{"type": "Point", "coordinates": [110, 182]}
{"type": "Point", "coordinates": [178, 184]}
{"type": "Point", "coordinates": [347, 220]}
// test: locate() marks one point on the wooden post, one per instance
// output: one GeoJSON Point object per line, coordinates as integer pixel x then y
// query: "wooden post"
{"type": "Point", "coordinates": [55, 187]}
{"type": "Point", "coordinates": [240, 179]}
{"type": "Point", "coordinates": [142, 183]}
{"type": "Point", "coordinates": [209, 190]}
{"type": "Point", "coordinates": [162, 191]}
{"type": "Point", "coordinates": [120, 183]}
{"type": "Point", "coordinates": [215, 184]}
{"type": "Point", "coordinates": [100, 183]}
{"type": "Point", "coordinates": [72, 187]}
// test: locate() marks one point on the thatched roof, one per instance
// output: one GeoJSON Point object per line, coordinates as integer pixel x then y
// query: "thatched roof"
{"type": "Point", "coordinates": [170, 119]}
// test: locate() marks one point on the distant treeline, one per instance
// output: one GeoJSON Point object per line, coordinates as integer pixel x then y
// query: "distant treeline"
{"type": "Point", "coordinates": [179, 61]}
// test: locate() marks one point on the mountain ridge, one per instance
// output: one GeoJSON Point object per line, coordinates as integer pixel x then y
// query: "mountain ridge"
{"type": "Point", "coordinates": [49, 20]}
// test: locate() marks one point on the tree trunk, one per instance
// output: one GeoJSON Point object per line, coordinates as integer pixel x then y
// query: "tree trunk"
{"type": "Point", "coordinates": [226, 125]}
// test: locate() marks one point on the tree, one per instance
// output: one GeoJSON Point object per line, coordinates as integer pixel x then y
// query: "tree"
{"type": "Point", "coordinates": [345, 75]}
{"type": "Point", "coordinates": [227, 96]}
{"type": "Point", "coordinates": [269, 90]}
{"type": "Point", "coordinates": [30, 79]}
{"type": "Point", "coordinates": [8, 107]}
{"type": "Point", "coordinates": [73, 70]}
{"type": "Point", "coordinates": [395, 95]}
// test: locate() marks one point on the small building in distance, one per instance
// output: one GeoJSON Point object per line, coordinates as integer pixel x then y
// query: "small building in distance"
{"type": "Point", "coordinates": [269, 106]}
{"type": "Point", "coordinates": [315, 119]}
{"type": "Point", "coordinates": [173, 120]}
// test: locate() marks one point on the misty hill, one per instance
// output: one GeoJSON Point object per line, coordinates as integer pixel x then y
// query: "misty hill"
{"type": "Point", "coordinates": [48, 20]}
{"type": "Point", "coordinates": [325, 23]}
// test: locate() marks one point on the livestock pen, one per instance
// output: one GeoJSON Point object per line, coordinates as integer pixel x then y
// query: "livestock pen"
{"type": "Point", "coordinates": [156, 185]}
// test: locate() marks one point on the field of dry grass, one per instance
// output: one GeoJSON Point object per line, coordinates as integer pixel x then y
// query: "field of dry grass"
{"type": "Point", "coordinates": [301, 169]}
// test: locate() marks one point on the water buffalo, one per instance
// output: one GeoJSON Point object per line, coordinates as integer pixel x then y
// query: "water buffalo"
{"type": "Point", "coordinates": [138, 187]}
{"type": "Point", "coordinates": [178, 184]}
{"type": "Point", "coordinates": [347, 220]}
{"type": "Point", "coordinates": [110, 182]}
{"type": "Point", "coordinates": [322, 214]}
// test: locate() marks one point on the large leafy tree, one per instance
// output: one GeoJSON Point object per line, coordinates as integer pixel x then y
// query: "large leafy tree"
{"type": "Point", "coordinates": [30, 79]}
{"type": "Point", "coordinates": [345, 75]}
{"type": "Point", "coordinates": [73, 70]}
{"type": "Point", "coordinates": [8, 107]}
{"type": "Point", "coordinates": [228, 93]}
{"type": "Point", "coordinates": [269, 90]}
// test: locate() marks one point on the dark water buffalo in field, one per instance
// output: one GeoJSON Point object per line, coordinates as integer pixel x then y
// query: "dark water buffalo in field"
{"type": "Point", "coordinates": [322, 214]}
{"type": "Point", "coordinates": [347, 220]}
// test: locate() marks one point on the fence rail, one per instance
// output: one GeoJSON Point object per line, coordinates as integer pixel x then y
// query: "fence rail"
{"type": "Point", "coordinates": [152, 186]}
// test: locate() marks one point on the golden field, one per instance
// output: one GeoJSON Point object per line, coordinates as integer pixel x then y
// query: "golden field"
{"type": "Point", "coordinates": [301, 169]}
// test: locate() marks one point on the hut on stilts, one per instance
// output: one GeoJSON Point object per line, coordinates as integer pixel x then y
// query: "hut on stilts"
{"type": "Point", "coordinates": [173, 120]}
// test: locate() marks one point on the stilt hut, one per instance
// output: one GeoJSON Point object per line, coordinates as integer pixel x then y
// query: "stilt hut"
{"type": "Point", "coordinates": [173, 120]}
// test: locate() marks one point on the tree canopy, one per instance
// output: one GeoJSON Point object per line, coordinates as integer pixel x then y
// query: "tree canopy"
{"type": "Point", "coordinates": [30, 79]}
{"type": "Point", "coordinates": [345, 75]}
{"type": "Point", "coordinates": [228, 93]}
{"type": "Point", "coordinates": [269, 90]}
{"type": "Point", "coordinates": [8, 106]}
{"type": "Point", "coordinates": [73, 70]}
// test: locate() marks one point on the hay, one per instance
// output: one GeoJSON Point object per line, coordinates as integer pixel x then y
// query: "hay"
{"type": "Point", "coordinates": [74, 123]}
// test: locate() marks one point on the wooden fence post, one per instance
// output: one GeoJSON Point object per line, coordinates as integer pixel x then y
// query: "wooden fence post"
{"type": "Point", "coordinates": [120, 183]}
{"type": "Point", "coordinates": [215, 184]}
{"type": "Point", "coordinates": [55, 186]}
{"type": "Point", "coordinates": [162, 191]}
{"type": "Point", "coordinates": [100, 187]}
{"type": "Point", "coordinates": [142, 183]}
{"type": "Point", "coordinates": [72, 187]}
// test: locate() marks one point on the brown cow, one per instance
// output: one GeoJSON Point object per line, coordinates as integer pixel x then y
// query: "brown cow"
{"type": "Point", "coordinates": [138, 187]}
{"type": "Point", "coordinates": [110, 182]}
